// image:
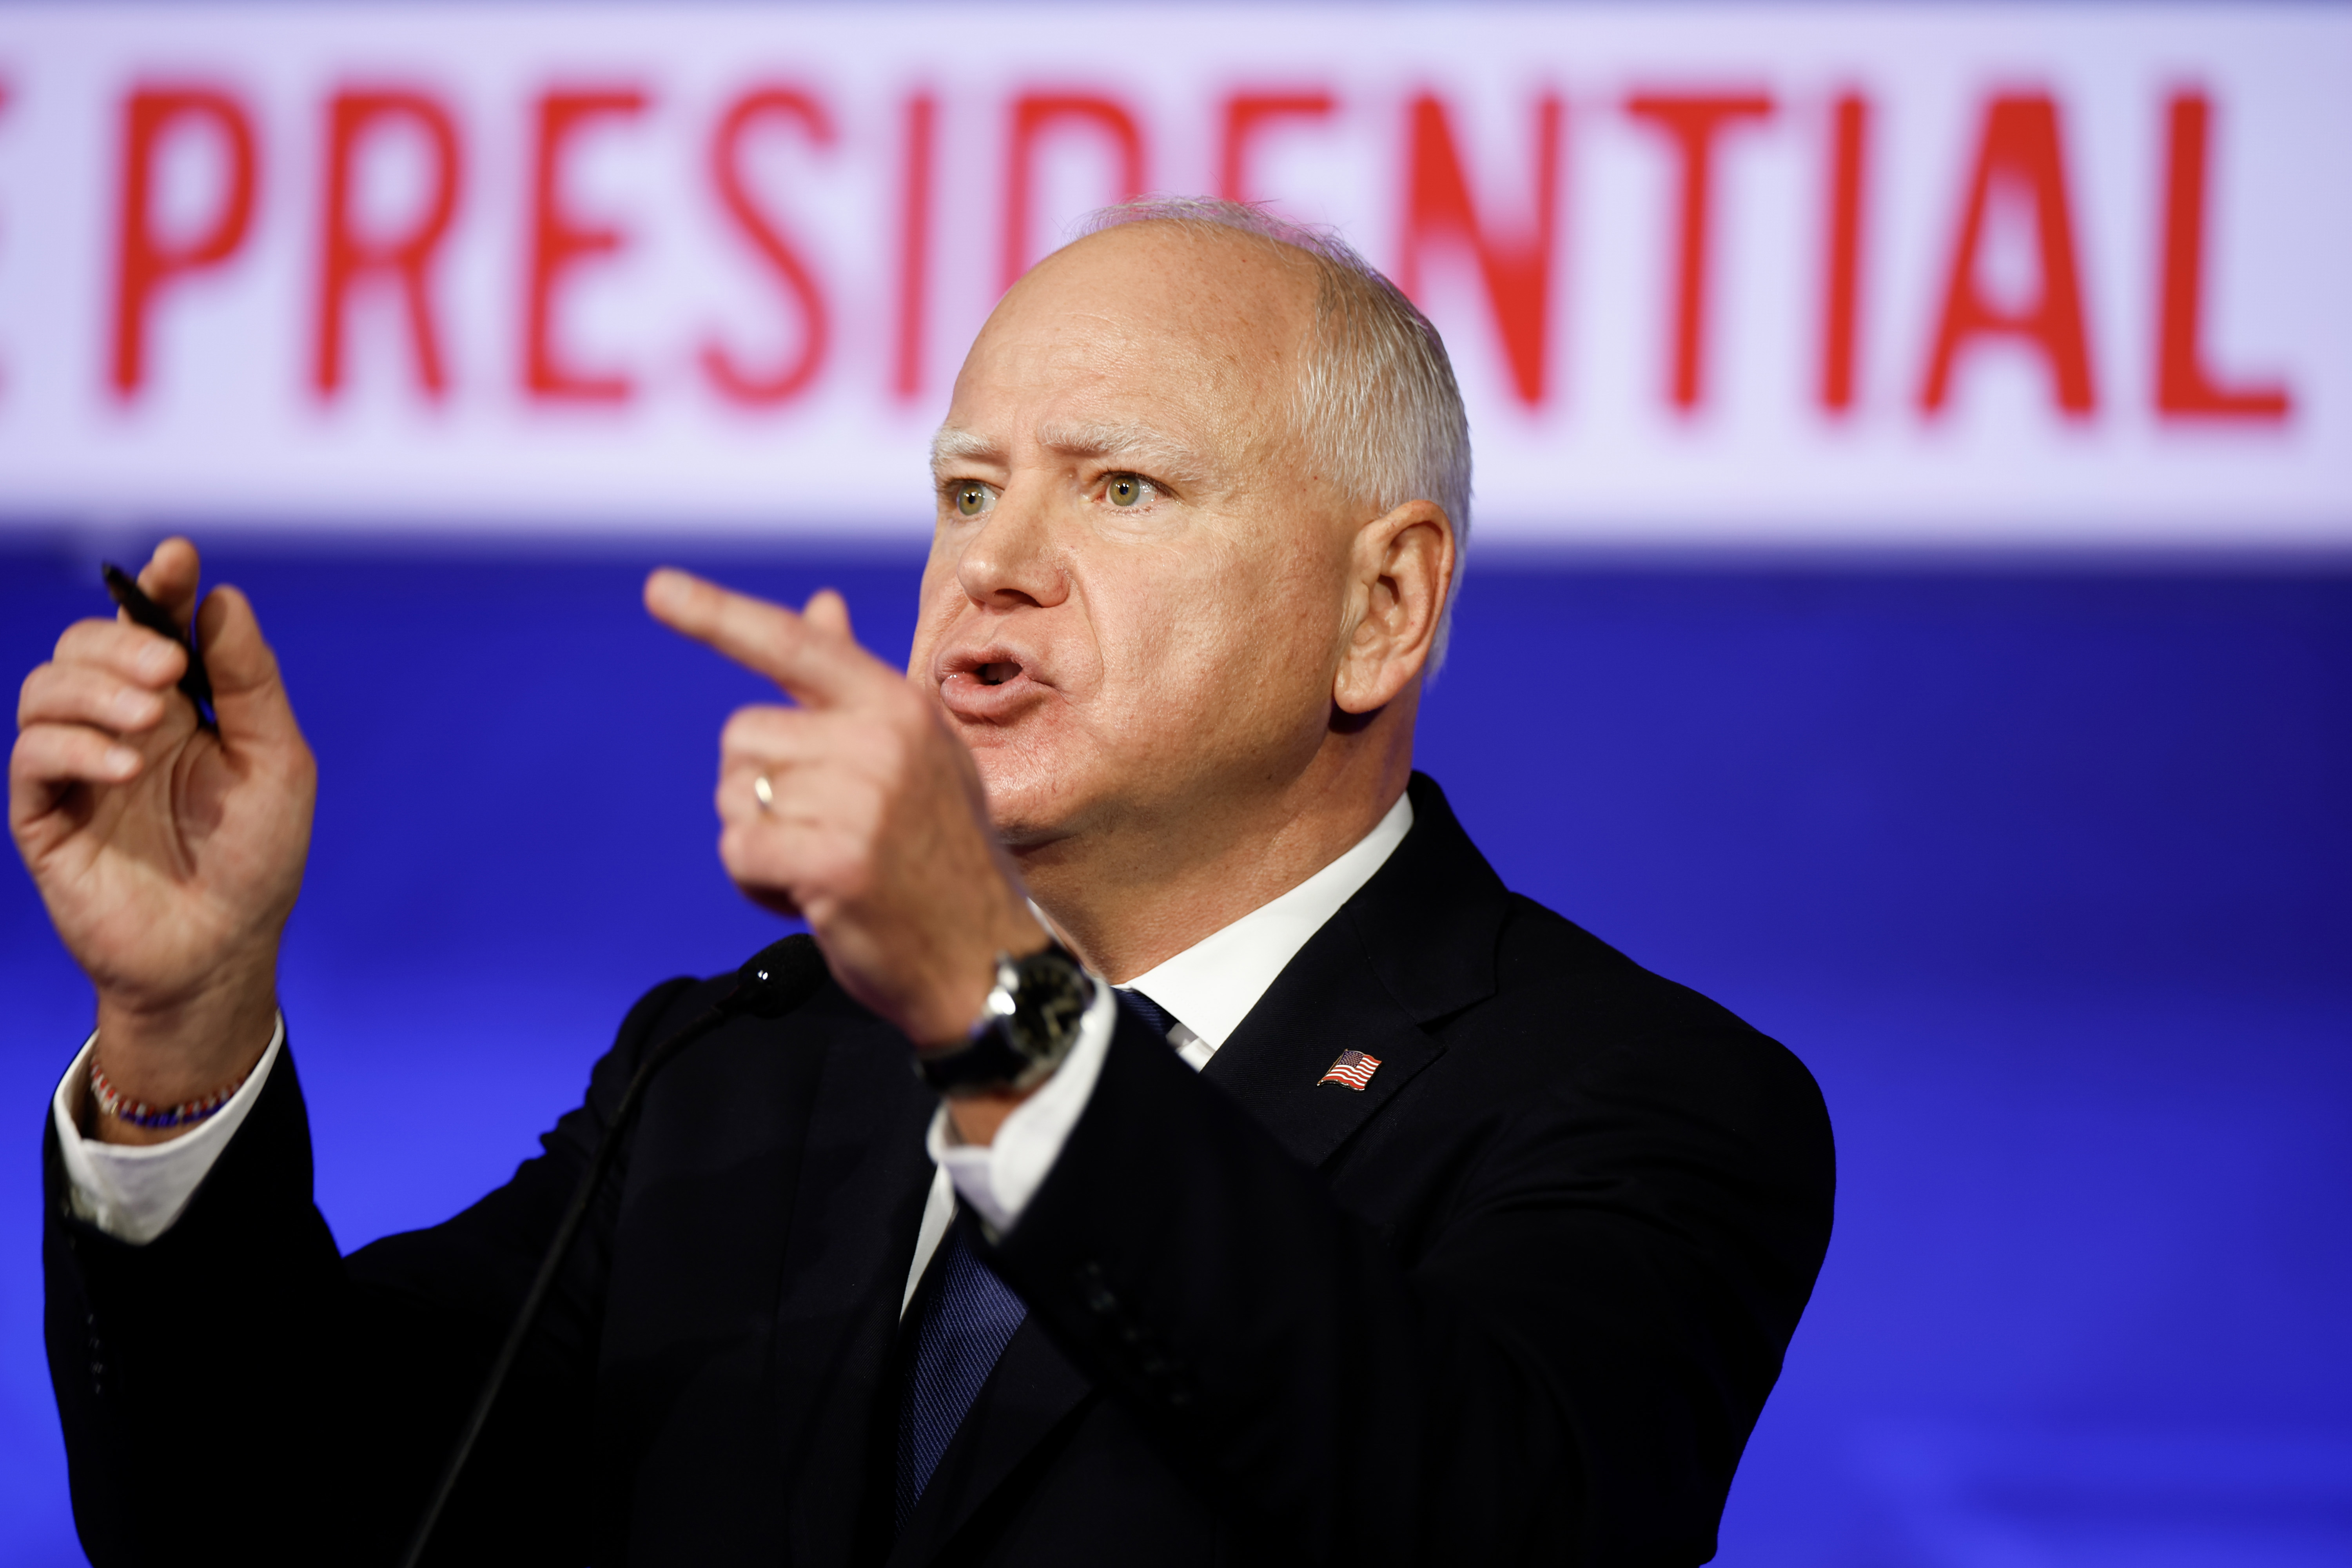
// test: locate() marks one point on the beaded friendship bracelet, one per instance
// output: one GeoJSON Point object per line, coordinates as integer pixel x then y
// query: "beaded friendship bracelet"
{"type": "Point", "coordinates": [139, 1113]}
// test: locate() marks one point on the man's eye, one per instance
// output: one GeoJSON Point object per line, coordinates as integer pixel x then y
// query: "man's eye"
{"type": "Point", "coordinates": [971, 500]}
{"type": "Point", "coordinates": [1128, 489]}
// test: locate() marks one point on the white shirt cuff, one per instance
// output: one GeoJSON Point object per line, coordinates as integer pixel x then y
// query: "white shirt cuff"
{"type": "Point", "coordinates": [135, 1194]}
{"type": "Point", "coordinates": [999, 1179]}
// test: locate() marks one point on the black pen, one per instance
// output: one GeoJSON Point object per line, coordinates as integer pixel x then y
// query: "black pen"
{"type": "Point", "coordinates": [147, 613]}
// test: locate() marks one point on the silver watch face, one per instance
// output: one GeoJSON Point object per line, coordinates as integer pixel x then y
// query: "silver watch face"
{"type": "Point", "coordinates": [1050, 994]}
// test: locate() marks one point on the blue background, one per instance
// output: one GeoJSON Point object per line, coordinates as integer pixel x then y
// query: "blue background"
{"type": "Point", "coordinates": [2044, 875]}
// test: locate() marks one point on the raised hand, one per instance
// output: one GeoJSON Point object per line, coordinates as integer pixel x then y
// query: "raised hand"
{"type": "Point", "coordinates": [876, 827]}
{"type": "Point", "coordinates": [168, 857]}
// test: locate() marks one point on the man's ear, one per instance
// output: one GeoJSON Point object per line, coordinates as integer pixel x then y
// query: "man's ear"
{"type": "Point", "coordinates": [1401, 565]}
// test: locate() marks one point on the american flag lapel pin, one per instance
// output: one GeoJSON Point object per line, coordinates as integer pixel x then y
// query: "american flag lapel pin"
{"type": "Point", "coordinates": [1353, 1069]}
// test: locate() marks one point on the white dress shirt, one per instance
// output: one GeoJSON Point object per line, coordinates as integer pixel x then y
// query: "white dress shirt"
{"type": "Point", "coordinates": [136, 1193]}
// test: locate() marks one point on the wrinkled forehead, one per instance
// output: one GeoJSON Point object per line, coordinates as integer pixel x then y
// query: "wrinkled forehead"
{"type": "Point", "coordinates": [1194, 339]}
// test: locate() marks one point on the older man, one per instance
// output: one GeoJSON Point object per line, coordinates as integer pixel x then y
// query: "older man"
{"type": "Point", "coordinates": [1275, 1186]}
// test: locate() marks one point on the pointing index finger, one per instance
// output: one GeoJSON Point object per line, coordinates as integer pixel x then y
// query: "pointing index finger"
{"type": "Point", "coordinates": [816, 667]}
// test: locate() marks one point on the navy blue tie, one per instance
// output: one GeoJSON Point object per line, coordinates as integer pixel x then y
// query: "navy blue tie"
{"type": "Point", "coordinates": [1150, 1012]}
{"type": "Point", "coordinates": [966, 1325]}
{"type": "Point", "coordinates": [969, 1321]}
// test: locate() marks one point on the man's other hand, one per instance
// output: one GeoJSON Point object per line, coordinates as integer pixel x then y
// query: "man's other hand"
{"type": "Point", "coordinates": [169, 856]}
{"type": "Point", "coordinates": [876, 827]}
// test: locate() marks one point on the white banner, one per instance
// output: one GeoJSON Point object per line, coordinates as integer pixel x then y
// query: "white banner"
{"type": "Point", "coordinates": [1895, 274]}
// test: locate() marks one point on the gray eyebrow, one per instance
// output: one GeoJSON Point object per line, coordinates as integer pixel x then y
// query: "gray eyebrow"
{"type": "Point", "coordinates": [1152, 450]}
{"type": "Point", "coordinates": [953, 446]}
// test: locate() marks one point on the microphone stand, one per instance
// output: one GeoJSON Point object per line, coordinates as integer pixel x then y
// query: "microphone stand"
{"type": "Point", "coordinates": [779, 978]}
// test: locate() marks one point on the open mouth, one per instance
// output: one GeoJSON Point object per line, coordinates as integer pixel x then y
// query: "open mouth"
{"type": "Point", "coordinates": [988, 684]}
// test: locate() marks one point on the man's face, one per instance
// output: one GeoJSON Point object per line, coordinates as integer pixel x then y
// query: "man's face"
{"type": "Point", "coordinates": [1136, 591]}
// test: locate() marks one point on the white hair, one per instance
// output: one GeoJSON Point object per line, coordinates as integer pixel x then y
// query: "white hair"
{"type": "Point", "coordinates": [1376, 403]}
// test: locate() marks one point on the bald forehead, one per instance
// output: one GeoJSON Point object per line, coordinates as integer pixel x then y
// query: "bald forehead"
{"type": "Point", "coordinates": [1246, 274]}
{"type": "Point", "coordinates": [1177, 347]}
{"type": "Point", "coordinates": [1241, 303]}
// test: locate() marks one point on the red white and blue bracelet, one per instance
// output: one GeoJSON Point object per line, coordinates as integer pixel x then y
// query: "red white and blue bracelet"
{"type": "Point", "coordinates": [139, 1113]}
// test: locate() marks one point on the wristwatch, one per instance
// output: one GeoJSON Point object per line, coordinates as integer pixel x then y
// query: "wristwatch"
{"type": "Point", "coordinates": [1029, 1023]}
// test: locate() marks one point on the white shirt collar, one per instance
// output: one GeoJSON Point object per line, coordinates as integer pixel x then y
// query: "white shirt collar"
{"type": "Point", "coordinates": [1211, 987]}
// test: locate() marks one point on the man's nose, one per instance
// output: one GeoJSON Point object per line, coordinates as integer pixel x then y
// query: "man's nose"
{"type": "Point", "coordinates": [1012, 559]}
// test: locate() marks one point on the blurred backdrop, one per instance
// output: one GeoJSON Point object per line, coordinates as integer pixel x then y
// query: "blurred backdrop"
{"type": "Point", "coordinates": [1912, 598]}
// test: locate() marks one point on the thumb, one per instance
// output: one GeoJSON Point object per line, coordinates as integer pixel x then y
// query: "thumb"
{"type": "Point", "coordinates": [247, 693]}
{"type": "Point", "coordinates": [170, 578]}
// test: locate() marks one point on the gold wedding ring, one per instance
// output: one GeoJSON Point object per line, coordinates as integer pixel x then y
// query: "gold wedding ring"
{"type": "Point", "coordinates": [765, 791]}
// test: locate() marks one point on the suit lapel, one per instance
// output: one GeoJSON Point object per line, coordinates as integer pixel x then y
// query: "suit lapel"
{"type": "Point", "coordinates": [1274, 1062]}
{"type": "Point", "coordinates": [1416, 943]}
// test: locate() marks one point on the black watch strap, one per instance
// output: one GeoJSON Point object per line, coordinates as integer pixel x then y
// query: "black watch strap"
{"type": "Point", "coordinates": [987, 1063]}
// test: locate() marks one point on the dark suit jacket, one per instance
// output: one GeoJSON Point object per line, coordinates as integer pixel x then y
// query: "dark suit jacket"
{"type": "Point", "coordinates": [1519, 1300]}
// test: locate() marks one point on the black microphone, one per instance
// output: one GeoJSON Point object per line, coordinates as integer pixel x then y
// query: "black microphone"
{"type": "Point", "coordinates": [779, 978]}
